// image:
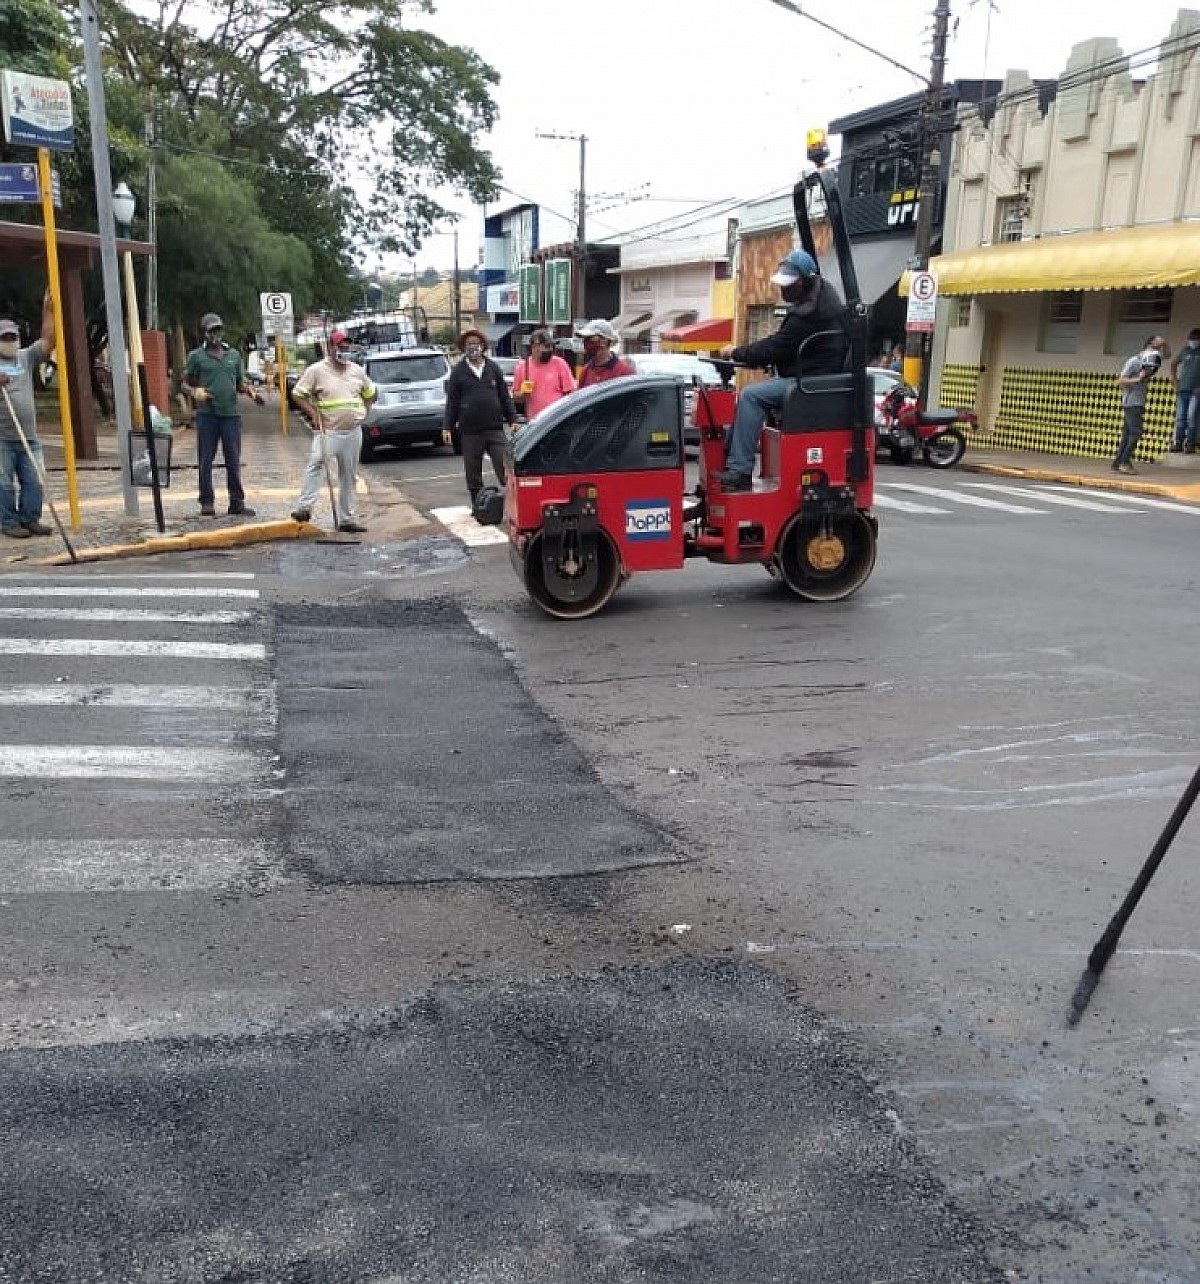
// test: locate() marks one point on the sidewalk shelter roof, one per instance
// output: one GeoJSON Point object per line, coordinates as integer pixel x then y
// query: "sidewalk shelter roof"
{"type": "Point", "coordinates": [701, 336]}
{"type": "Point", "coordinates": [1126, 258]}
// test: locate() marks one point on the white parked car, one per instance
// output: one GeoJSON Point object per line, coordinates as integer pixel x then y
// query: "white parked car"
{"type": "Point", "coordinates": [687, 367]}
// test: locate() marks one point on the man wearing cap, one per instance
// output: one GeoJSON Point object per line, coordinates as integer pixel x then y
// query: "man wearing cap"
{"type": "Point", "coordinates": [478, 405]}
{"type": "Point", "coordinates": [601, 363]}
{"type": "Point", "coordinates": [20, 514]}
{"type": "Point", "coordinates": [543, 377]}
{"type": "Point", "coordinates": [816, 322]}
{"type": "Point", "coordinates": [213, 377]}
{"type": "Point", "coordinates": [334, 395]}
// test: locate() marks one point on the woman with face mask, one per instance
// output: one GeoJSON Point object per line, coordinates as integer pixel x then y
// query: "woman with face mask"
{"type": "Point", "coordinates": [542, 378]}
{"type": "Point", "coordinates": [20, 490]}
{"type": "Point", "coordinates": [478, 406]}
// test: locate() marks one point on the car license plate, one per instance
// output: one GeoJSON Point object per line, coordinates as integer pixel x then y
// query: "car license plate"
{"type": "Point", "coordinates": [403, 397]}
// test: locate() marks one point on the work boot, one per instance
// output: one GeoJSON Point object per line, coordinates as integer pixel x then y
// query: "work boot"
{"type": "Point", "coordinates": [208, 510]}
{"type": "Point", "coordinates": [240, 510]}
{"type": "Point", "coordinates": [735, 481]}
{"type": "Point", "coordinates": [14, 532]}
{"type": "Point", "coordinates": [1128, 468]}
{"type": "Point", "coordinates": [1189, 450]}
{"type": "Point", "coordinates": [301, 514]}
{"type": "Point", "coordinates": [352, 527]}
{"type": "Point", "coordinates": [38, 528]}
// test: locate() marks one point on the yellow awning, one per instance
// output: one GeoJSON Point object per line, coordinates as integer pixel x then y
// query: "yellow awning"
{"type": "Point", "coordinates": [1125, 258]}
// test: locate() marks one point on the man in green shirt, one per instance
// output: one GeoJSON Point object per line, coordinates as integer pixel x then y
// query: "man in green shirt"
{"type": "Point", "coordinates": [213, 377]}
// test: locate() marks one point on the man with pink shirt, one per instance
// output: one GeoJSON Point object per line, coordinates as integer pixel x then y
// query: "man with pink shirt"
{"type": "Point", "coordinates": [542, 378]}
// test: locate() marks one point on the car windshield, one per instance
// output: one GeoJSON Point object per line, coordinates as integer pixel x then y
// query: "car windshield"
{"type": "Point", "coordinates": [507, 364]}
{"type": "Point", "coordinates": [410, 369]}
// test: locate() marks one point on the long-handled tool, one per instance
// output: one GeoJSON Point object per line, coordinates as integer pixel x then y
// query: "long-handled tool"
{"type": "Point", "coordinates": [328, 471]}
{"type": "Point", "coordinates": [41, 473]}
{"type": "Point", "coordinates": [1106, 946]}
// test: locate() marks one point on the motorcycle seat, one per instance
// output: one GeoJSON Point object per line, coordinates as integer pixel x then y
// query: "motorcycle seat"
{"type": "Point", "coordinates": [939, 416]}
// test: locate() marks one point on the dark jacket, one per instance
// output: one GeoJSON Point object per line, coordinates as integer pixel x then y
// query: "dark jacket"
{"type": "Point", "coordinates": [478, 402]}
{"type": "Point", "coordinates": [826, 355]}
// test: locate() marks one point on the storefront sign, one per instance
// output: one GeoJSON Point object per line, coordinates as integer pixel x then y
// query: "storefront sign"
{"type": "Point", "coordinates": [531, 293]}
{"type": "Point", "coordinates": [36, 111]}
{"type": "Point", "coordinates": [558, 291]}
{"type": "Point", "coordinates": [504, 298]}
{"type": "Point", "coordinates": [19, 185]}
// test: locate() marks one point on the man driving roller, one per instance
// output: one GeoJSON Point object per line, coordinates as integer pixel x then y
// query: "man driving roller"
{"type": "Point", "coordinates": [816, 322]}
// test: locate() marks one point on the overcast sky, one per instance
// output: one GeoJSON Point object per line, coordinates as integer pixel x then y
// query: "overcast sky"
{"type": "Point", "coordinates": [699, 100]}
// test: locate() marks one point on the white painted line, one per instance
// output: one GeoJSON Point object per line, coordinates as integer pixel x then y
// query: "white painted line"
{"type": "Point", "coordinates": [105, 615]}
{"type": "Point", "coordinates": [150, 575]}
{"type": "Point", "coordinates": [1066, 501]}
{"type": "Point", "coordinates": [462, 525]}
{"type": "Point", "coordinates": [129, 762]}
{"type": "Point", "coordinates": [1140, 501]}
{"type": "Point", "coordinates": [128, 696]}
{"type": "Point", "coordinates": [904, 505]}
{"type": "Point", "coordinates": [30, 590]}
{"type": "Point", "coordinates": [134, 647]}
{"type": "Point", "coordinates": [962, 497]}
{"type": "Point", "coordinates": [33, 866]}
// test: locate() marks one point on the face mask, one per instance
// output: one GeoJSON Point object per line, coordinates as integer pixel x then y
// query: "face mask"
{"type": "Point", "coordinates": [214, 338]}
{"type": "Point", "coordinates": [342, 355]}
{"type": "Point", "coordinates": [474, 350]}
{"type": "Point", "coordinates": [10, 349]}
{"type": "Point", "coordinates": [591, 348]}
{"type": "Point", "coordinates": [544, 355]}
{"type": "Point", "coordinates": [1194, 343]}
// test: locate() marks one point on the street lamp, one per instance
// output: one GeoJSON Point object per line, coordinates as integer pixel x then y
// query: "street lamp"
{"type": "Point", "coordinates": [123, 205]}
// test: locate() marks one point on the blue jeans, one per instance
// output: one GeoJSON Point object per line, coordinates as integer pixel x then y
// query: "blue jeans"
{"type": "Point", "coordinates": [225, 431]}
{"type": "Point", "coordinates": [1186, 406]}
{"type": "Point", "coordinates": [16, 467]}
{"type": "Point", "coordinates": [753, 404]}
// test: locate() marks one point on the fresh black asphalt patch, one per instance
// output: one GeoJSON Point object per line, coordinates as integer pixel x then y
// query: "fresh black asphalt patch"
{"type": "Point", "coordinates": [681, 1123]}
{"type": "Point", "coordinates": [410, 752]}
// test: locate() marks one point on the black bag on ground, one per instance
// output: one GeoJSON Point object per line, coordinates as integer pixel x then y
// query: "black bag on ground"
{"type": "Point", "coordinates": [488, 506]}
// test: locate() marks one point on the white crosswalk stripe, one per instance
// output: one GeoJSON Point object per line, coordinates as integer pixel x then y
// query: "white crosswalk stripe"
{"type": "Point", "coordinates": [947, 495]}
{"type": "Point", "coordinates": [1143, 502]}
{"type": "Point", "coordinates": [460, 522]}
{"type": "Point", "coordinates": [139, 719]}
{"type": "Point", "coordinates": [883, 500]}
{"type": "Point", "coordinates": [1046, 497]}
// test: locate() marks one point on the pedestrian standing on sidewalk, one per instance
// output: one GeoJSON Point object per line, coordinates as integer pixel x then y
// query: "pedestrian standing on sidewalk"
{"type": "Point", "coordinates": [1185, 375]}
{"type": "Point", "coordinates": [333, 395]}
{"type": "Point", "coordinates": [1135, 374]}
{"type": "Point", "coordinates": [542, 378]}
{"type": "Point", "coordinates": [478, 406]}
{"type": "Point", "coordinates": [213, 377]}
{"type": "Point", "coordinates": [21, 513]}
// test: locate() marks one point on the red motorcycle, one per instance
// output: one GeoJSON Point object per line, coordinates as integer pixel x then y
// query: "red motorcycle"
{"type": "Point", "coordinates": [904, 428]}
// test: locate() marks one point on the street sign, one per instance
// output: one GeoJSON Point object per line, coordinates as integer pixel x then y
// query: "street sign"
{"type": "Point", "coordinates": [922, 301]}
{"type": "Point", "coordinates": [530, 277]}
{"type": "Point", "coordinates": [36, 111]}
{"type": "Point", "coordinates": [558, 291]}
{"type": "Point", "coordinates": [277, 317]}
{"type": "Point", "coordinates": [19, 185]}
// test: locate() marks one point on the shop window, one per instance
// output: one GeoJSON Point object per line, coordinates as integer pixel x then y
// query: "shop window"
{"type": "Point", "coordinates": [1135, 315]}
{"type": "Point", "coordinates": [1010, 218]}
{"type": "Point", "coordinates": [1062, 312]}
{"type": "Point", "coordinates": [960, 317]}
{"type": "Point", "coordinates": [760, 322]}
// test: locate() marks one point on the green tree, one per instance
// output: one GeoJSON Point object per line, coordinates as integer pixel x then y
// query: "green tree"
{"type": "Point", "coordinates": [342, 88]}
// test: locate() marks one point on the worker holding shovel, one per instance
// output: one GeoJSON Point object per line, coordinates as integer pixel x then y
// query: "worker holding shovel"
{"type": "Point", "coordinates": [333, 395]}
{"type": "Point", "coordinates": [21, 489]}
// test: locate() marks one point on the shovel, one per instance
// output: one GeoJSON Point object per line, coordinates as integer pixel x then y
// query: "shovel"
{"type": "Point", "coordinates": [41, 473]}
{"type": "Point", "coordinates": [336, 537]}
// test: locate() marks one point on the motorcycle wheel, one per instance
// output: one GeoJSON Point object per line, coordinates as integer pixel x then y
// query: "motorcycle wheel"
{"type": "Point", "coordinates": [945, 449]}
{"type": "Point", "coordinates": [901, 454]}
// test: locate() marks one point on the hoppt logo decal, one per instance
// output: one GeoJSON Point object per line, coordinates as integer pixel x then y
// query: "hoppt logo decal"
{"type": "Point", "coordinates": [648, 519]}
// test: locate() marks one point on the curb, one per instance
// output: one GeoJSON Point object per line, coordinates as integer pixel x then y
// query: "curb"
{"type": "Point", "coordinates": [230, 537]}
{"type": "Point", "coordinates": [1187, 494]}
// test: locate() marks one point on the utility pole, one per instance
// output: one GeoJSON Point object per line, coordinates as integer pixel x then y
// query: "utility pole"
{"type": "Point", "coordinates": [579, 298]}
{"type": "Point", "coordinates": [915, 373]}
{"type": "Point", "coordinates": [152, 215]}
{"type": "Point", "coordinates": [457, 291]}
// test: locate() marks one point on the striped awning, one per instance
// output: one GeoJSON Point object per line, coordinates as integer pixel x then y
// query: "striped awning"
{"type": "Point", "coordinates": [1124, 258]}
{"type": "Point", "coordinates": [701, 336]}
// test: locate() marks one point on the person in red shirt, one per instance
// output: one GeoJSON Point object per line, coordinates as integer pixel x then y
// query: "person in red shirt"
{"type": "Point", "coordinates": [601, 362]}
{"type": "Point", "coordinates": [542, 378]}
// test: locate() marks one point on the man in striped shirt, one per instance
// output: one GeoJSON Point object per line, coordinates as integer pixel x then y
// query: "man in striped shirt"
{"type": "Point", "coordinates": [333, 395]}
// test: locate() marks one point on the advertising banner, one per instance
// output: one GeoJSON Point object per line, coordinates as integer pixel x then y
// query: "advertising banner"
{"type": "Point", "coordinates": [36, 111]}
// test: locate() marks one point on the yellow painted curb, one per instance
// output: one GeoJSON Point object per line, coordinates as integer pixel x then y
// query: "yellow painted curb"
{"type": "Point", "coordinates": [226, 537]}
{"type": "Point", "coordinates": [1187, 494]}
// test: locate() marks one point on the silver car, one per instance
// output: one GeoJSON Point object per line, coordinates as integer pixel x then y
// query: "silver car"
{"type": "Point", "coordinates": [411, 405]}
{"type": "Point", "coordinates": [686, 367]}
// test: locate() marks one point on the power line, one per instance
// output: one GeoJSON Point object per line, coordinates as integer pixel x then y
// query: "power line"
{"type": "Point", "coordinates": [792, 7]}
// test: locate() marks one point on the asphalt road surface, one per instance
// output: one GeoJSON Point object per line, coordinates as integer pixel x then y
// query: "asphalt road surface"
{"type": "Point", "coordinates": [410, 935]}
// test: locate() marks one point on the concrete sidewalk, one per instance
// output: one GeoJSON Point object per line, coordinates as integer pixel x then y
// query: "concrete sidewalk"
{"type": "Point", "coordinates": [1170, 477]}
{"type": "Point", "coordinates": [272, 469]}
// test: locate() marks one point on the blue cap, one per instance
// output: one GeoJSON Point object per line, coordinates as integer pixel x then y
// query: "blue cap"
{"type": "Point", "coordinates": [793, 266]}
